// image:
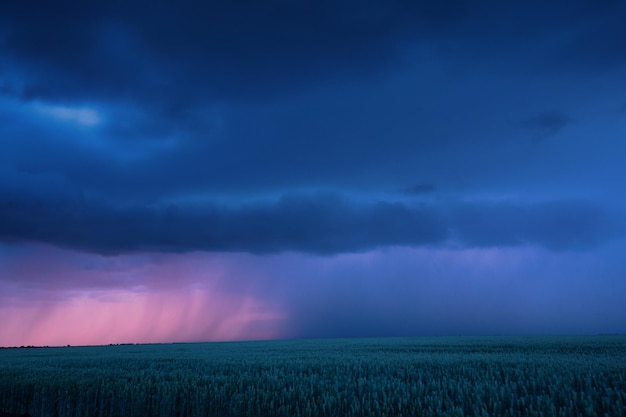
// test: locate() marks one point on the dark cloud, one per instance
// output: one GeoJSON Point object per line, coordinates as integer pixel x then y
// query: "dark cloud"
{"type": "Point", "coordinates": [370, 137]}
{"type": "Point", "coordinates": [538, 37]}
{"type": "Point", "coordinates": [600, 40]}
{"type": "Point", "coordinates": [173, 56]}
{"type": "Point", "coordinates": [215, 100]}
{"type": "Point", "coordinates": [320, 223]}
{"type": "Point", "coordinates": [177, 53]}
{"type": "Point", "coordinates": [547, 123]}
{"type": "Point", "coordinates": [418, 189]}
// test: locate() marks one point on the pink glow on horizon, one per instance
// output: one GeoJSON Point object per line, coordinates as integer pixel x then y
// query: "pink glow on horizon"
{"type": "Point", "coordinates": [51, 296]}
{"type": "Point", "coordinates": [139, 317]}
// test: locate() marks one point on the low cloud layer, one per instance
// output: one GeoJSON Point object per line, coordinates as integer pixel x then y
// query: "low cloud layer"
{"type": "Point", "coordinates": [319, 223]}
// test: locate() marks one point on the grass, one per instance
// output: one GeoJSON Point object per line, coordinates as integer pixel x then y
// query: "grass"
{"type": "Point", "coordinates": [465, 376]}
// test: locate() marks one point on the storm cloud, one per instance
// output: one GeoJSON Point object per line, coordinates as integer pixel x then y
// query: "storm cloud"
{"type": "Point", "coordinates": [176, 57]}
{"type": "Point", "coordinates": [320, 223]}
{"type": "Point", "coordinates": [329, 168]}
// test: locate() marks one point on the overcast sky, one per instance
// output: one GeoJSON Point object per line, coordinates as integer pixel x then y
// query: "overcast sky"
{"type": "Point", "coordinates": [294, 168]}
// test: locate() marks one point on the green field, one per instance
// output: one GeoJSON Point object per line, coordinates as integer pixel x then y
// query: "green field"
{"type": "Point", "coordinates": [486, 376]}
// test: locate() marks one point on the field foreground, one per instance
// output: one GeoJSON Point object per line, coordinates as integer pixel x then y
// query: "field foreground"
{"type": "Point", "coordinates": [486, 376]}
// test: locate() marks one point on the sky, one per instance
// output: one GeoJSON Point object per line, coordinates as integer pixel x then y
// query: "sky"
{"type": "Point", "coordinates": [204, 171]}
